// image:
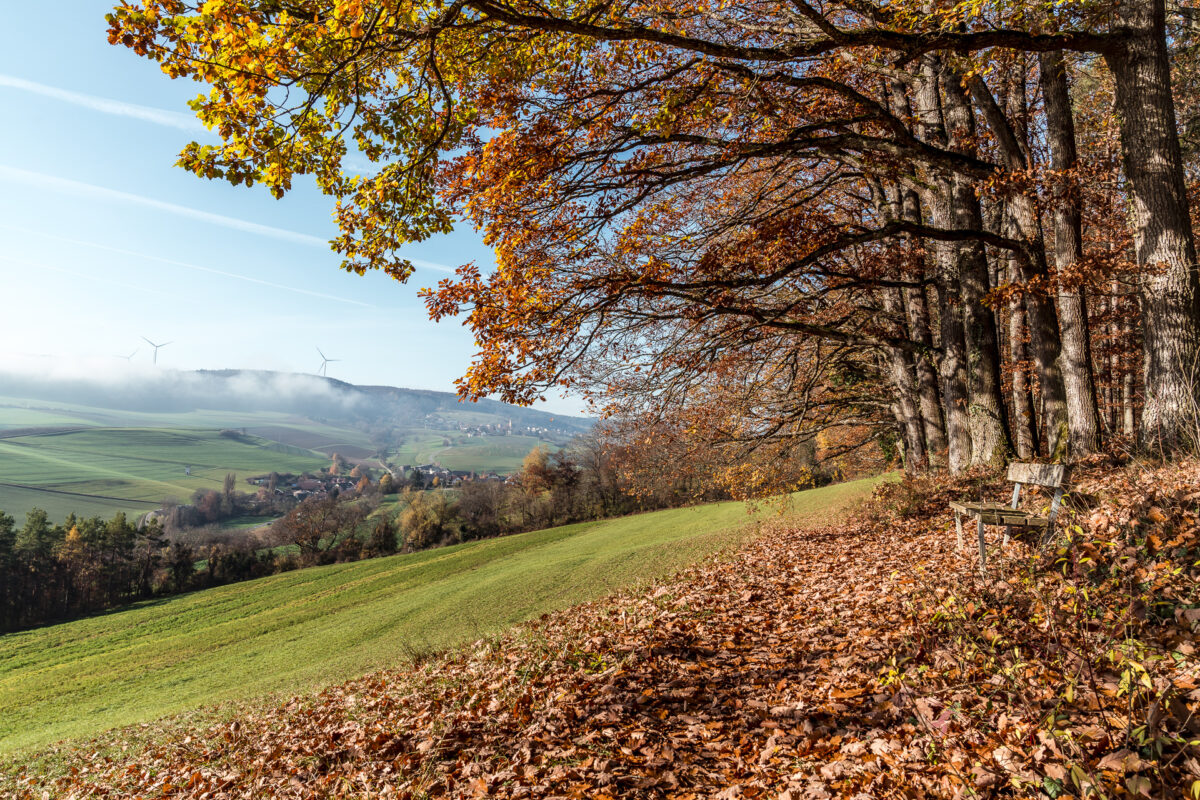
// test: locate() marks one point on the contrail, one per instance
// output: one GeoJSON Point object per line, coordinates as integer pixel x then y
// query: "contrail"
{"type": "Point", "coordinates": [118, 108]}
{"type": "Point", "coordinates": [86, 276]}
{"type": "Point", "coordinates": [186, 265]}
{"type": "Point", "coordinates": [81, 189]}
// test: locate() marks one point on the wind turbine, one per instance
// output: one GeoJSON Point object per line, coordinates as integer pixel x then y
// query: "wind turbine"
{"type": "Point", "coordinates": [130, 356]}
{"type": "Point", "coordinates": [155, 346]}
{"type": "Point", "coordinates": [324, 368]}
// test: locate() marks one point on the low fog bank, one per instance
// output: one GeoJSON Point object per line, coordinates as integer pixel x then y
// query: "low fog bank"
{"type": "Point", "coordinates": [139, 387]}
{"type": "Point", "coordinates": [119, 385]}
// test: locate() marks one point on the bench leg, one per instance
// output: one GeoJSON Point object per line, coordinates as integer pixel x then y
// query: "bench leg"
{"type": "Point", "coordinates": [982, 545]}
{"type": "Point", "coordinates": [1007, 533]}
{"type": "Point", "coordinates": [958, 529]}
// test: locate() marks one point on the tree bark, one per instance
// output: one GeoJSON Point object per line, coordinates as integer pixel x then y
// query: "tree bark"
{"type": "Point", "coordinates": [1023, 223]}
{"type": "Point", "coordinates": [920, 329]}
{"type": "Point", "coordinates": [1116, 362]}
{"type": "Point", "coordinates": [900, 369]}
{"type": "Point", "coordinates": [1024, 423]}
{"type": "Point", "coordinates": [1082, 413]}
{"type": "Point", "coordinates": [986, 414]}
{"type": "Point", "coordinates": [952, 358]}
{"type": "Point", "coordinates": [1166, 251]}
{"type": "Point", "coordinates": [952, 366]}
{"type": "Point", "coordinates": [1125, 332]}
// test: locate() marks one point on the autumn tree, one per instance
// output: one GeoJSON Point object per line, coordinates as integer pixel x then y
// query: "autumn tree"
{"type": "Point", "coordinates": [228, 493]}
{"type": "Point", "coordinates": [317, 524]}
{"type": "Point", "coordinates": [383, 540]}
{"type": "Point", "coordinates": [720, 171]}
{"type": "Point", "coordinates": [426, 519]}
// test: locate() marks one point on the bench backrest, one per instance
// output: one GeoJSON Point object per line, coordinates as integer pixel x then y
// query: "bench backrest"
{"type": "Point", "coordinates": [1039, 474]}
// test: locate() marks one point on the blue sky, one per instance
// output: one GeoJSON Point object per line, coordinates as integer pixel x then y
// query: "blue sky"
{"type": "Point", "coordinates": [106, 242]}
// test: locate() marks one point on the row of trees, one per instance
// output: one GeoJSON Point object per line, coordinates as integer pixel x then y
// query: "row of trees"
{"type": "Point", "coordinates": [757, 223]}
{"type": "Point", "coordinates": [59, 571]}
{"type": "Point", "coordinates": [550, 489]}
{"type": "Point", "coordinates": [620, 469]}
{"type": "Point", "coordinates": [50, 573]}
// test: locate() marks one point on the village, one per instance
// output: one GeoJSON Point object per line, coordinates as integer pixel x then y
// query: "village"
{"type": "Point", "coordinates": [323, 484]}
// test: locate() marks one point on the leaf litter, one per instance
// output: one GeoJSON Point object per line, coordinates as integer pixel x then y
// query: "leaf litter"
{"type": "Point", "coordinates": [867, 660]}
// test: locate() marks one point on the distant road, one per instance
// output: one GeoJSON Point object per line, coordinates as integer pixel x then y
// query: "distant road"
{"type": "Point", "coordinates": [76, 494]}
{"type": "Point", "coordinates": [13, 433]}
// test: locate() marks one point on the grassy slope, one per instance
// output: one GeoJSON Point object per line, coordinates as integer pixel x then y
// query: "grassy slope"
{"type": "Point", "coordinates": [138, 458]}
{"type": "Point", "coordinates": [501, 453]}
{"type": "Point", "coordinates": [326, 624]}
{"type": "Point", "coordinates": [140, 466]}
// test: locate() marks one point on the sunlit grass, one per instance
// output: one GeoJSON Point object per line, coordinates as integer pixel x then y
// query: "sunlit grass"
{"type": "Point", "coordinates": [326, 624]}
{"type": "Point", "coordinates": [84, 470]}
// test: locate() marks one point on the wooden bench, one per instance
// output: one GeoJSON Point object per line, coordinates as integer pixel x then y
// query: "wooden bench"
{"type": "Point", "coordinates": [1048, 475]}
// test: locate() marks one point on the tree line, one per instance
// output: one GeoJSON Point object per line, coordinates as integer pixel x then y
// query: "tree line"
{"type": "Point", "coordinates": [966, 226]}
{"type": "Point", "coordinates": [56, 572]}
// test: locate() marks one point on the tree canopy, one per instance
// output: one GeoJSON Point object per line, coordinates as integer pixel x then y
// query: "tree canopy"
{"type": "Point", "coordinates": [764, 220]}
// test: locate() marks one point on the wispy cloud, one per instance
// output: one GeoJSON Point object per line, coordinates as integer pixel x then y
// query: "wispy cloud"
{"type": "Point", "coordinates": [119, 108]}
{"type": "Point", "coordinates": [81, 189]}
{"type": "Point", "coordinates": [416, 262]}
{"type": "Point", "coordinates": [100, 278]}
{"type": "Point", "coordinates": [186, 265]}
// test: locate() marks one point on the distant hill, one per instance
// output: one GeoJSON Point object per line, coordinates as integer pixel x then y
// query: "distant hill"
{"type": "Point", "coordinates": [127, 439]}
{"type": "Point", "coordinates": [331, 400]}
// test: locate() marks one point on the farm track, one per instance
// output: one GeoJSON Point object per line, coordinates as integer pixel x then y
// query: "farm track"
{"type": "Point", "coordinates": [76, 494]}
{"type": "Point", "coordinates": [16, 433]}
{"type": "Point", "coordinates": [126, 457]}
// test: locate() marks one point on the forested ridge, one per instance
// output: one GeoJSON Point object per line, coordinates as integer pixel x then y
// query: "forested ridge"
{"type": "Point", "coordinates": [964, 225]}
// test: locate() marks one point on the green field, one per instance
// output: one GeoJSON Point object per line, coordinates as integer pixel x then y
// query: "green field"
{"type": "Point", "coordinates": [500, 453]}
{"type": "Point", "coordinates": [316, 626]}
{"type": "Point", "coordinates": [103, 470]}
{"type": "Point", "coordinates": [18, 412]}
{"type": "Point", "coordinates": [94, 461]}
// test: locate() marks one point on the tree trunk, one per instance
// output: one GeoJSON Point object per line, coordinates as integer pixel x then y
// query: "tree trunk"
{"type": "Point", "coordinates": [920, 331]}
{"type": "Point", "coordinates": [989, 426]}
{"type": "Point", "coordinates": [1127, 422]}
{"type": "Point", "coordinates": [1023, 224]}
{"type": "Point", "coordinates": [1110, 362]}
{"type": "Point", "coordinates": [952, 359]}
{"type": "Point", "coordinates": [952, 366]}
{"type": "Point", "coordinates": [900, 369]}
{"type": "Point", "coordinates": [1082, 414]}
{"type": "Point", "coordinates": [1125, 334]}
{"type": "Point", "coordinates": [1024, 423]}
{"type": "Point", "coordinates": [896, 202]}
{"type": "Point", "coordinates": [1166, 252]}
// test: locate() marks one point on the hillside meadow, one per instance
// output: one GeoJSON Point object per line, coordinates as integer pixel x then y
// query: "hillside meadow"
{"type": "Point", "coordinates": [98, 471]}
{"type": "Point", "coordinates": [95, 461]}
{"type": "Point", "coordinates": [303, 629]}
